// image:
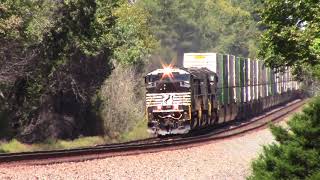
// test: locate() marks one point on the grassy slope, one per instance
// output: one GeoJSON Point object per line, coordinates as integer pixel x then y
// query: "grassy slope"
{"type": "Point", "coordinates": [139, 132]}
{"type": "Point", "coordinates": [16, 146]}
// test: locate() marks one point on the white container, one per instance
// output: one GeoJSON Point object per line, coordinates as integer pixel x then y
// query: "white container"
{"type": "Point", "coordinates": [200, 60]}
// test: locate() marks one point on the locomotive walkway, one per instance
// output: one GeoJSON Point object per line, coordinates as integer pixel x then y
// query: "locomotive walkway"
{"type": "Point", "coordinates": [151, 144]}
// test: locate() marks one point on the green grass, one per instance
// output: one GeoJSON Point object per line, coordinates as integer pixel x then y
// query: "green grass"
{"type": "Point", "coordinates": [14, 145]}
{"type": "Point", "coordinates": [82, 142]}
{"type": "Point", "coordinates": [138, 132]}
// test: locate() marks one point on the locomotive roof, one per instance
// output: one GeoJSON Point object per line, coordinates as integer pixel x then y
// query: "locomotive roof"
{"type": "Point", "coordinates": [197, 72]}
{"type": "Point", "coordinates": [164, 70]}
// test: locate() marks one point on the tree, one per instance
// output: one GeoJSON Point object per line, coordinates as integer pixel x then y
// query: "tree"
{"type": "Point", "coordinates": [69, 57]}
{"type": "Point", "coordinates": [296, 154]}
{"type": "Point", "coordinates": [19, 30]}
{"type": "Point", "coordinates": [19, 33]}
{"type": "Point", "coordinates": [200, 26]}
{"type": "Point", "coordinates": [292, 34]}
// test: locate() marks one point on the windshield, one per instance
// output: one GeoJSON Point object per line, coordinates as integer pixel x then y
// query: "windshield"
{"type": "Point", "coordinates": [169, 87]}
{"type": "Point", "coordinates": [159, 77]}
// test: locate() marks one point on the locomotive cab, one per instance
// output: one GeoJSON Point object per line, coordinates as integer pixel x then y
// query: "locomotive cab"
{"type": "Point", "coordinates": [168, 101]}
{"type": "Point", "coordinates": [180, 99]}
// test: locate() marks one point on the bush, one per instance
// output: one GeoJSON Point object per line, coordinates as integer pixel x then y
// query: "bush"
{"type": "Point", "coordinates": [138, 132]}
{"type": "Point", "coordinates": [122, 95]}
{"type": "Point", "coordinates": [296, 153]}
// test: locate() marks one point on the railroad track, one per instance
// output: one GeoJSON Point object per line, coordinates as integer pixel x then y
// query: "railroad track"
{"type": "Point", "coordinates": [150, 144]}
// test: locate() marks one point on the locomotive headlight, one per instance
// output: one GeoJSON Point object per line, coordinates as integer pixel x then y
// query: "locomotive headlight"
{"type": "Point", "coordinates": [167, 72]}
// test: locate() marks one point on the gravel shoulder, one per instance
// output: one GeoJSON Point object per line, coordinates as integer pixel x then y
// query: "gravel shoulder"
{"type": "Point", "coordinates": [225, 159]}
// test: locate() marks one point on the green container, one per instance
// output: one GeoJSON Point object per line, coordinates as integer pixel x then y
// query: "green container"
{"type": "Point", "coordinates": [272, 82]}
{"type": "Point", "coordinates": [231, 61]}
{"type": "Point", "coordinates": [238, 79]}
{"type": "Point", "coordinates": [264, 81]}
{"type": "Point", "coordinates": [220, 78]}
{"type": "Point", "coordinates": [251, 79]}
{"type": "Point", "coordinates": [255, 79]}
{"type": "Point", "coordinates": [246, 79]}
{"type": "Point", "coordinates": [267, 82]}
{"type": "Point", "coordinates": [242, 78]}
{"type": "Point", "coordinates": [225, 92]}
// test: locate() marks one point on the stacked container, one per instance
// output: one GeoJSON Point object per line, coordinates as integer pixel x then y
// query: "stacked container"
{"type": "Point", "coordinates": [245, 86]}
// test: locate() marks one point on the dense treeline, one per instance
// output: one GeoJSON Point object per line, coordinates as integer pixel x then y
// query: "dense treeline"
{"type": "Point", "coordinates": [61, 61]}
{"type": "Point", "coordinates": [292, 38]}
{"type": "Point", "coordinates": [54, 57]}
{"type": "Point", "coordinates": [204, 26]}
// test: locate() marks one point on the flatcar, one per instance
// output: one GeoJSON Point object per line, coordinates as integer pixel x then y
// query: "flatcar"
{"type": "Point", "coordinates": [211, 89]}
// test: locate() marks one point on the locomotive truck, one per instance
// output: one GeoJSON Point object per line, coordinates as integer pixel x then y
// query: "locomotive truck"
{"type": "Point", "coordinates": [211, 89]}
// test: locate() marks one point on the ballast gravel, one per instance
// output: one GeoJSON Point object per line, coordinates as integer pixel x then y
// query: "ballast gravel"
{"type": "Point", "coordinates": [224, 159]}
{"type": "Point", "coordinates": [227, 159]}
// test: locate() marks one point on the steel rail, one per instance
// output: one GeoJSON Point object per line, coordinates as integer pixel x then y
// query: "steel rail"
{"type": "Point", "coordinates": [150, 144]}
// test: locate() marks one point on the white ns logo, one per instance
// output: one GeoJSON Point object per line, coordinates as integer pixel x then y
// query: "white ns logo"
{"type": "Point", "coordinates": [167, 99]}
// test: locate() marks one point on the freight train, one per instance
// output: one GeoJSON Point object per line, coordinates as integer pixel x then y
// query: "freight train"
{"type": "Point", "coordinates": [212, 89]}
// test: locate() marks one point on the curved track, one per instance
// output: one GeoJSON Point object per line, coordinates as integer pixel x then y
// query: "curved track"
{"type": "Point", "coordinates": [151, 144]}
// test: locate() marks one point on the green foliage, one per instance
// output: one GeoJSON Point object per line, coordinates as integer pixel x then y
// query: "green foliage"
{"type": "Point", "coordinates": [132, 35]}
{"type": "Point", "coordinates": [11, 18]}
{"type": "Point", "coordinates": [62, 51]}
{"type": "Point", "coordinates": [199, 26]}
{"type": "Point", "coordinates": [296, 155]}
{"type": "Point", "coordinates": [97, 27]}
{"type": "Point", "coordinates": [315, 47]}
{"type": "Point", "coordinates": [292, 34]}
{"type": "Point", "coordinates": [26, 20]}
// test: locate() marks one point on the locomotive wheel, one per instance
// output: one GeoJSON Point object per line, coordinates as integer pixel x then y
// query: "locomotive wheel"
{"type": "Point", "coordinates": [205, 120]}
{"type": "Point", "coordinates": [198, 123]}
{"type": "Point", "coordinates": [210, 120]}
{"type": "Point", "coordinates": [202, 121]}
{"type": "Point", "coordinates": [215, 117]}
{"type": "Point", "coordinates": [194, 121]}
